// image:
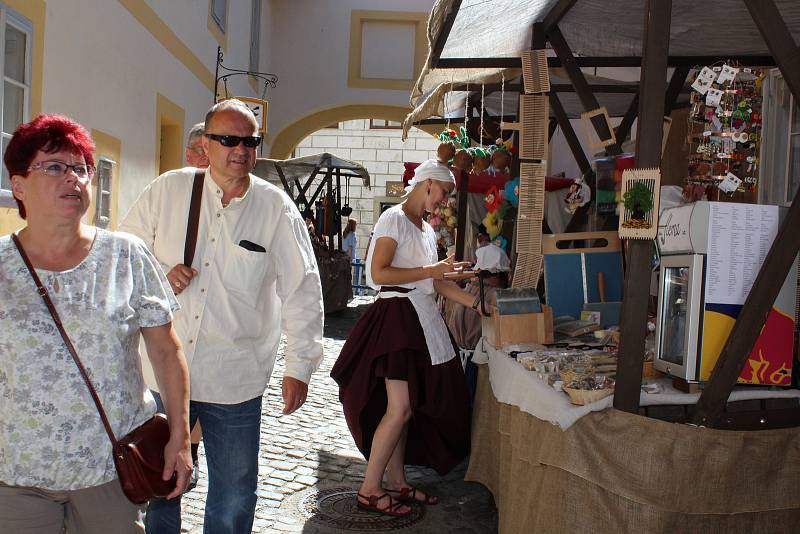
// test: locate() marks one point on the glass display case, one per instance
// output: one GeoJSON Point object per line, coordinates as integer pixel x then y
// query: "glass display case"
{"type": "Point", "coordinates": [679, 313]}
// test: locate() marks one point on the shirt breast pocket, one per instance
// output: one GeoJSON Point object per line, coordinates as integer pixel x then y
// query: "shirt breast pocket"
{"type": "Point", "coordinates": [244, 273]}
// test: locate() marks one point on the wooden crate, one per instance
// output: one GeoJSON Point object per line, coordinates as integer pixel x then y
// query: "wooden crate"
{"type": "Point", "coordinates": [500, 330]}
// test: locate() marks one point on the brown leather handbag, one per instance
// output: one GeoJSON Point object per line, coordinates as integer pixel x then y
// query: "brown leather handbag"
{"type": "Point", "coordinates": [138, 456]}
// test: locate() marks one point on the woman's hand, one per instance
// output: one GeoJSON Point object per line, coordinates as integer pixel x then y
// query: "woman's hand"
{"type": "Point", "coordinates": [178, 460]}
{"type": "Point", "coordinates": [447, 265]}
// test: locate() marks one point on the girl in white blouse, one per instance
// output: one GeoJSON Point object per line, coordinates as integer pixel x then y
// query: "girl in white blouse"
{"type": "Point", "coordinates": [401, 382]}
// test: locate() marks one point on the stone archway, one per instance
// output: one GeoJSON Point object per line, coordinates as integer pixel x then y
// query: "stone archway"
{"type": "Point", "coordinates": [291, 135]}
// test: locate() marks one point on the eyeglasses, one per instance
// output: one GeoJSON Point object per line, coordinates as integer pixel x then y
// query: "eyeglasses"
{"type": "Point", "coordinates": [57, 169]}
{"type": "Point", "coordinates": [231, 141]}
{"type": "Point", "coordinates": [197, 149]}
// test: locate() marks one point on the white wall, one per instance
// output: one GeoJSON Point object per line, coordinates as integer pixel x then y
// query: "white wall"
{"type": "Point", "coordinates": [106, 70]}
{"type": "Point", "coordinates": [307, 45]}
{"type": "Point", "coordinates": [382, 152]}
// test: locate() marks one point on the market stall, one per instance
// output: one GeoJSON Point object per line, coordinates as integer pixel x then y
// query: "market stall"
{"type": "Point", "coordinates": [314, 183]}
{"type": "Point", "coordinates": [625, 459]}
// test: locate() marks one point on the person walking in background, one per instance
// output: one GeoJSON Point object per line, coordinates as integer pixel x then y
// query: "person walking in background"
{"type": "Point", "coordinates": [196, 157]}
{"type": "Point", "coordinates": [254, 275]}
{"type": "Point", "coordinates": [349, 239]}
{"type": "Point", "coordinates": [400, 380]}
{"type": "Point", "coordinates": [56, 465]}
{"type": "Point", "coordinates": [195, 154]}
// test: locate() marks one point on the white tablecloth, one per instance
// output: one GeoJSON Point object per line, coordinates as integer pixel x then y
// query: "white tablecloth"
{"type": "Point", "coordinates": [513, 384]}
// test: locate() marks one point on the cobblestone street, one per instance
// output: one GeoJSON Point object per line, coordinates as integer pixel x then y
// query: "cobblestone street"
{"type": "Point", "coordinates": [309, 467]}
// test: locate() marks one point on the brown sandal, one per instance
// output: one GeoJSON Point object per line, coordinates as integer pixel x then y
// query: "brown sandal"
{"type": "Point", "coordinates": [409, 494]}
{"type": "Point", "coordinates": [372, 506]}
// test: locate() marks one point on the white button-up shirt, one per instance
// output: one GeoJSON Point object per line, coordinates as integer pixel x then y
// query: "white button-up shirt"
{"type": "Point", "coordinates": [233, 311]}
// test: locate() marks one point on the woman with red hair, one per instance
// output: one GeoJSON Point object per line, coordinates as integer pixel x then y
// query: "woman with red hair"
{"type": "Point", "coordinates": [56, 465]}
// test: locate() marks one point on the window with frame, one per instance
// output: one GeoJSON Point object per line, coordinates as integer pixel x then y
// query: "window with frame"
{"type": "Point", "coordinates": [16, 94]}
{"type": "Point", "coordinates": [104, 175]}
{"type": "Point", "coordinates": [219, 13]}
{"type": "Point", "coordinates": [382, 124]}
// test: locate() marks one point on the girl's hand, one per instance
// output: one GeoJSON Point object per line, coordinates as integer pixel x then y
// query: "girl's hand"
{"type": "Point", "coordinates": [447, 265]}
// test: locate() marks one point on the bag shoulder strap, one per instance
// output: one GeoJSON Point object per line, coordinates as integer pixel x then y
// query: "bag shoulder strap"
{"type": "Point", "coordinates": [70, 347]}
{"type": "Point", "coordinates": [194, 217]}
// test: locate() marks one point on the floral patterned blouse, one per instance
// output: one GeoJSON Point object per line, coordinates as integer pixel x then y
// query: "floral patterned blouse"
{"type": "Point", "coordinates": [51, 436]}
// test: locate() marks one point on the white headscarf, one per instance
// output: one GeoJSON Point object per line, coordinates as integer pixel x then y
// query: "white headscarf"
{"type": "Point", "coordinates": [433, 170]}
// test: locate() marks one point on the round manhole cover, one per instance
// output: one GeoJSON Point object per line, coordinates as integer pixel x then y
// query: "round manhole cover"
{"type": "Point", "coordinates": [336, 508]}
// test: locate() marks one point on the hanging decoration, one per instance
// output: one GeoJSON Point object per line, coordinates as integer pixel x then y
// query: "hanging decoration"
{"type": "Point", "coordinates": [463, 159]}
{"type": "Point", "coordinates": [444, 220]}
{"type": "Point", "coordinates": [639, 210]}
{"type": "Point", "coordinates": [579, 194]}
{"type": "Point", "coordinates": [511, 192]}
{"type": "Point", "coordinates": [346, 209]}
{"type": "Point", "coordinates": [450, 141]}
{"type": "Point", "coordinates": [724, 131]}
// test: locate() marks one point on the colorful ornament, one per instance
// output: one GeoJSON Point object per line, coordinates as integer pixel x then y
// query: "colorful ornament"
{"type": "Point", "coordinates": [501, 242]}
{"type": "Point", "coordinates": [493, 198]}
{"type": "Point", "coordinates": [492, 224]}
{"type": "Point", "coordinates": [511, 192]}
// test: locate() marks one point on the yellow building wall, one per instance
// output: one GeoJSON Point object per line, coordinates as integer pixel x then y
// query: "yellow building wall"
{"type": "Point", "coordinates": [170, 118]}
{"type": "Point", "coordinates": [33, 10]}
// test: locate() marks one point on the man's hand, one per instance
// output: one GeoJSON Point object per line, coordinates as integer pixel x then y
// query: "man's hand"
{"type": "Point", "coordinates": [178, 460]}
{"type": "Point", "coordinates": [180, 277]}
{"type": "Point", "coordinates": [294, 394]}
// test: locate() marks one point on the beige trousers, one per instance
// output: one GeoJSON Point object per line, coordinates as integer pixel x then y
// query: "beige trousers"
{"type": "Point", "coordinates": [98, 510]}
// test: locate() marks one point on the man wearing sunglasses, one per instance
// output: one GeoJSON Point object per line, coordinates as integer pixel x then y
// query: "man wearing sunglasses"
{"type": "Point", "coordinates": [253, 275]}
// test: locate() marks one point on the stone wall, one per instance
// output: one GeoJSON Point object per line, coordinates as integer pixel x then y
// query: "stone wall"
{"type": "Point", "coordinates": [381, 151]}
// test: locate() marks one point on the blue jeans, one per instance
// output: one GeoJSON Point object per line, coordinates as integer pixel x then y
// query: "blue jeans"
{"type": "Point", "coordinates": [231, 435]}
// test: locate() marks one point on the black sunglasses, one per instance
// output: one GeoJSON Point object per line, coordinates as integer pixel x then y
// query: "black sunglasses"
{"type": "Point", "coordinates": [230, 141]}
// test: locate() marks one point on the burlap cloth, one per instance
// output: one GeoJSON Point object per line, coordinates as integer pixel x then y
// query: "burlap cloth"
{"type": "Point", "coordinates": [617, 472]}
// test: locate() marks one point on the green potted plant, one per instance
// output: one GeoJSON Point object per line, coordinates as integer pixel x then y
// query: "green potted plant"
{"type": "Point", "coordinates": [638, 200]}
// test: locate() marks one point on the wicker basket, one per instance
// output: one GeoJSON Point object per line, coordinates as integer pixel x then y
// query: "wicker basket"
{"type": "Point", "coordinates": [582, 397]}
{"type": "Point", "coordinates": [568, 375]}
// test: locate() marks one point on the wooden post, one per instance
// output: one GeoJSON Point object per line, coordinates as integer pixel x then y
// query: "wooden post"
{"type": "Point", "coordinates": [633, 324]}
{"type": "Point", "coordinates": [781, 254]}
{"type": "Point", "coordinates": [624, 128]}
{"type": "Point", "coordinates": [330, 210]}
{"type": "Point", "coordinates": [339, 204]}
{"type": "Point", "coordinates": [675, 87]}
{"type": "Point", "coordinates": [461, 224]}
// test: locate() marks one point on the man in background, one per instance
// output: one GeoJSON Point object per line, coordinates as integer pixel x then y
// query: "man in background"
{"type": "Point", "coordinates": [195, 155]}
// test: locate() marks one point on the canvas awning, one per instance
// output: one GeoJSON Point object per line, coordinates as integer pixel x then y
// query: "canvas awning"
{"type": "Point", "coordinates": [497, 29]}
{"type": "Point", "coordinates": [302, 168]}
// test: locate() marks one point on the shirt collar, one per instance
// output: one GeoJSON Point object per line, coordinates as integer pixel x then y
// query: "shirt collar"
{"type": "Point", "coordinates": [216, 191]}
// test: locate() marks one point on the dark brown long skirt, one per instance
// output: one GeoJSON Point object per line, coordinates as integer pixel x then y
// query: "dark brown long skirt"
{"type": "Point", "coordinates": [388, 342]}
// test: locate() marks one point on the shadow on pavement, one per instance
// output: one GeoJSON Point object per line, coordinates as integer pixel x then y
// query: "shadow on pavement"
{"type": "Point", "coordinates": [464, 507]}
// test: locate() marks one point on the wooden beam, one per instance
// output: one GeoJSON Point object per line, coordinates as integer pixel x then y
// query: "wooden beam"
{"type": "Point", "coordinates": [569, 134]}
{"type": "Point", "coordinates": [779, 41]}
{"type": "Point", "coordinates": [461, 218]}
{"type": "Point", "coordinates": [444, 34]}
{"type": "Point", "coordinates": [675, 87]}
{"type": "Point", "coordinates": [552, 124]}
{"type": "Point", "coordinates": [284, 182]}
{"type": "Point", "coordinates": [636, 293]}
{"type": "Point", "coordinates": [781, 254]}
{"type": "Point", "coordinates": [582, 87]}
{"type": "Point", "coordinates": [624, 128]}
{"type": "Point", "coordinates": [556, 13]}
{"type": "Point", "coordinates": [600, 61]}
{"type": "Point", "coordinates": [338, 213]}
